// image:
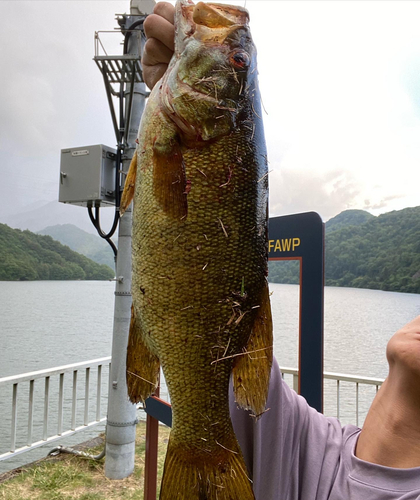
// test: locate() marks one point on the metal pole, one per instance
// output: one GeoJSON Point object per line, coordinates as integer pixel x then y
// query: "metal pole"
{"type": "Point", "coordinates": [122, 420]}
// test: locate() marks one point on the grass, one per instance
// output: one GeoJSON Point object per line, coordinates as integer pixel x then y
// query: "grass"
{"type": "Point", "coordinates": [68, 477]}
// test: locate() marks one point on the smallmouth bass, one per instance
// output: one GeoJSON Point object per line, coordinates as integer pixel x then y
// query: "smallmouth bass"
{"type": "Point", "coordinates": [201, 305]}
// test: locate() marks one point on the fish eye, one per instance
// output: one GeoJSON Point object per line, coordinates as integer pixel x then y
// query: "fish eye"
{"type": "Point", "coordinates": [240, 59]}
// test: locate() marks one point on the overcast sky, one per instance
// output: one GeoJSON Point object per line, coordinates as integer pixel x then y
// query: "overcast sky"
{"type": "Point", "coordinates": [340, 82]}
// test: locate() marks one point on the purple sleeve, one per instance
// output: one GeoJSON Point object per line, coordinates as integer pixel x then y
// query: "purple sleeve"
{"type": "Point", "coordinates": [292, 452]}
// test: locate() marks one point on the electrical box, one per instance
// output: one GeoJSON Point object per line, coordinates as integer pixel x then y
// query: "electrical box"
{"type": "Point", "coordinates": [87, 176]}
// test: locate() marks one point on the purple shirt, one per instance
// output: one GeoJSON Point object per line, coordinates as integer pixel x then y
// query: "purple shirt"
{"type": "Point", "coordinates": [295, 453]}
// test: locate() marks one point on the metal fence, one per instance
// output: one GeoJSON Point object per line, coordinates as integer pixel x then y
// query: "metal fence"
{"type": "Point", "coordinates": [50, 404]}
{"type": "Point", "coordinates": [353, 386]}
{"type": "Point", "coordinates": [39, 414]}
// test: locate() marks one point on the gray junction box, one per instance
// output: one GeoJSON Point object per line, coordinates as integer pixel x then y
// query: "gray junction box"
{"type": "Point", "coordinates": [87, 176]}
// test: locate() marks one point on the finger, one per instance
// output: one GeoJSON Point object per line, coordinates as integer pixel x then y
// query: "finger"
{"type": "Point", "coordinates": [155, 52]}
{"type": "Point", "coordinates": [152, 74]}
{"type": "Point", "coordinates": [161, 29]}
{"type": "Point", "coordinates": [166, 10]}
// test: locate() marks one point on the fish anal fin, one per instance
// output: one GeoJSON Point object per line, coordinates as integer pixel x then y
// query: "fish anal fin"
{"type": "Point", "coordinates": [189, 476]}
{"type": "Point", "coordinates": [251, 372]}
{"type": "Point", "coordinates": [142, 364]}
{"type": "Point", "coordinates": [129, 185]}
{"type": "Point", "coordinates": [169, 181]}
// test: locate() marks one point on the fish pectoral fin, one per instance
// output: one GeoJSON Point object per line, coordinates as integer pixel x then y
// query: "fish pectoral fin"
{"type": "Point", "coordinates": [194, 474]}
{"type": "Point", "coordinates": [129, 185]}
{"type": "Point", "coordinates": [142, 365]}
{"type": "Point", "coordinates": [251, 372]}
{"type": "Point", "coordinates": [169, 181]}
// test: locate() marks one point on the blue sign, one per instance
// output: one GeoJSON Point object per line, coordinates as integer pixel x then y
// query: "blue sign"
{"type": "Point", "coordinates": [301, 237]}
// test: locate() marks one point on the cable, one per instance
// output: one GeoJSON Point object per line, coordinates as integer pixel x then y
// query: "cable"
{"type": "Point", "coordinates": [61, 449]}
{"type": "Point", "coordinates": [96, 224]}
{"type": "Point", "coordinates": [129, 30]}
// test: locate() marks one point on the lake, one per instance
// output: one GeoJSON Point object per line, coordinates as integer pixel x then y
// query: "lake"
{"type": "Point", "coordinates": [50, 323]}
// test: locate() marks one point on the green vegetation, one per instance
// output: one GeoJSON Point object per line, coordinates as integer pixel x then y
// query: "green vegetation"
{"type": "Point", "coordinates": [68, 477]}
{"type": "Point", "coordinates": [90, 245]}
{"type": "Point", "coordinates": [27, 256]}
{"type": "Point", "coordinates": [286, 271]}
{"type": "Point", "coordinates": [362, 251]}
{"type": "Point", "coordinates": [381, 253]}
{"type": "Point", "coordinates": [348, 218]}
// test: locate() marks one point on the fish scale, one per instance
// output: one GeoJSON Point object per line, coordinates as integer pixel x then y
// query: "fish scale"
{"type": "Point", "coordinates": [200, 296]}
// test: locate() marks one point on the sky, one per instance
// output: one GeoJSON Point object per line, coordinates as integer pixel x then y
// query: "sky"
{"type": "Point", "coordinates": [340, 82]}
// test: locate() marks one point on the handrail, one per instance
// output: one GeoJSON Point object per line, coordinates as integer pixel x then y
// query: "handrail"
{"type": "Point", "coordinates": [339, 377]}
{"type": "Point", "coordinates": [60, 371]}
{"type": "Point", "coordinates": [53, 371]}
{"type": "Point", "coordinates": [39, 403]}
{"type": "Point", "coordinates": [343, 377]}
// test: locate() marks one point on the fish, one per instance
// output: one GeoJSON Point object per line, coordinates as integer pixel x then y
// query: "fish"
{"type": "Point", "coordinates": [200, 298]}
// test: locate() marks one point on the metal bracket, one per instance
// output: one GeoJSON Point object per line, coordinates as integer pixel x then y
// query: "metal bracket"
{"type": "Point", "coordinates": [120, 279]}
{"type": "Point", "coordinates": [117, 71]}
{"type": "Point", "coordinates": [123, 424]}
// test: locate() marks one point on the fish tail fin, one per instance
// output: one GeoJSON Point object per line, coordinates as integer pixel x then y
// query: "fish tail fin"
{"type": "Point", "coordinates": [142, 364]}
{"type": "Point", "coordinates": [251, 372]}
{"type": "Point", "coordinates": [187, 476]}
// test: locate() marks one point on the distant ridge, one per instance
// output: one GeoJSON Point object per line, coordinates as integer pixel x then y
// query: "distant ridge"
{"type": "Point", "coordinates": [36, 217]}
{"type": "Point", "coordinates": [348, 218]}
{"type": "Point", "coordinates": [89, 245]}
{"type": "Point", "coordinates": [381, 253]}
{"type": "Point", "coordinates": [27, 256]}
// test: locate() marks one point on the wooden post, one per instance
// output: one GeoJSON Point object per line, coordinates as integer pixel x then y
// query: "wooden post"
{"type": "Point", "coordinates": [151, 456]}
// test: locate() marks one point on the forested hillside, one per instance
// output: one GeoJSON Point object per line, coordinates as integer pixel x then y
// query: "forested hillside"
{"type": "Point", "coordinates": [29, 256]}
{"type": "Point", "coordinates": [361, 251]}
{"type": "Point", "coordinates": [90, 245]}
{"type": "Point", "coordinates": [348, 218]}
{"type": "Point", "coordinates": [382, 253]}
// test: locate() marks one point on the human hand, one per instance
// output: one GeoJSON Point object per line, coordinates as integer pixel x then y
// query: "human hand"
{"type": "Point", "coordinates": [159, 47]}
{"type": "Point", "coordinates": [403, 351]}
{"type": "Point", "coordinates": [391, 432]}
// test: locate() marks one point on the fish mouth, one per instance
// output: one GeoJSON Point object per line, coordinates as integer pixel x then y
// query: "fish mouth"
{"type": "Point", "coordinates": [206, 22]}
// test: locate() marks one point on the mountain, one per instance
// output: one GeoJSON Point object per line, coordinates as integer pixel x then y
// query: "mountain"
{"type": "Point", "coordinates": [89, 245]}
{"type": "Point", "coordinates": [348, 218]}
{"type": "Point", "coordinates": [381, 253]}
{"type": "Point", "coordinates": [36, 218]}
{"type": "Point", "coordinates": [28, 256]}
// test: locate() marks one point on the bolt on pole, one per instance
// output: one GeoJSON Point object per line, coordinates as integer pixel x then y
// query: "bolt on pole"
{"type": "Point", "coordinates": [122, 415]}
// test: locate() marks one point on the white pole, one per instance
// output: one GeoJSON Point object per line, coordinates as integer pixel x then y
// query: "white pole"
{"type": "Point", "coordinates": [122, 419]}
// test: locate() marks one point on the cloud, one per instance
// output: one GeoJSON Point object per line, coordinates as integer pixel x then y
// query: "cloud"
{"type": "Point", "coordinates": [53, 96]}
{"type": "Point", "coordinates": [411, 80]}
{"type": "Point", "coordinates": [382, 203]}
{"type": "Point", "coordinates": [343, 118]}
{"type": "Point", "coordinates": [303, 191]}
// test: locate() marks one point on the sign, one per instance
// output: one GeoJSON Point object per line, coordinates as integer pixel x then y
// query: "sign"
{"type": "Point", "coordinates": [301, 237]}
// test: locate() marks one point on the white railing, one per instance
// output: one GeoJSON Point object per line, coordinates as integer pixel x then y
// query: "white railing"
{"type": "Point", "coordinates": [39, 402]}
{"type": "Point", "coordinates": [339, 378]}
